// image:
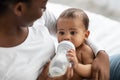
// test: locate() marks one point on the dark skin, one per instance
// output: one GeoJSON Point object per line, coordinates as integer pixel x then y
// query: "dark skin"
{"type": "Point", "coordinates": [14, 30]}
{"type": "Point", "coordinates": [101, 67]}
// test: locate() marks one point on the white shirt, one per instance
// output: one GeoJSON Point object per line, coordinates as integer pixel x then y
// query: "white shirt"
{"type": "Point", "coordinates": [26, 61]}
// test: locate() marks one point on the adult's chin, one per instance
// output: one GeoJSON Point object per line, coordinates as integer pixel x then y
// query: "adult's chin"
{"type": "Point", "coordinates": [30, 25]}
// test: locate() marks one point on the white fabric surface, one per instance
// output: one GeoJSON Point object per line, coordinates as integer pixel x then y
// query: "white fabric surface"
{"type": "Point", "coordinates": [104, 32]}
{"type": "Point", "coordinates": [26, 61]}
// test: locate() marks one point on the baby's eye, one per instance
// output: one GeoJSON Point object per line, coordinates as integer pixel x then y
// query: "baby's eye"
{"type": "Point", "coordinates": [73, 32]}
{"type": "Point", "coordinates": [61, 33]}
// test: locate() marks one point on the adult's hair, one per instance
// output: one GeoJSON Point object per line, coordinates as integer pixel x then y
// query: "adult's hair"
{"type": "Point", "coordinates": [75, 13]}
{"type": "Point", "coordinates": [4, 4]}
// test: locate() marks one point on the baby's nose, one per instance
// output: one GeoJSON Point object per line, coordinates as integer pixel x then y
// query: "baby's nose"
{"type": "Point", "coordinates": [67, 37]}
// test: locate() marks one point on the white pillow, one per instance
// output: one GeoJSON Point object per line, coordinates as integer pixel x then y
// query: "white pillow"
{"type": "Point", "coordinates": [103, 31]}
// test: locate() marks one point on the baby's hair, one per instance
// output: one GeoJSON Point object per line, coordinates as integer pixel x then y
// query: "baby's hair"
{"type": "Point", "coordinates": [74, 13]}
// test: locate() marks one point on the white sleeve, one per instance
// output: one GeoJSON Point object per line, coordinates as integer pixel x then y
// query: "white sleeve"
{"type": "Point", "coordinates": [50, 21]}
{"type": "Point", "coordinates": [95, 47]}
{"type": "Point", "coordinates": [51, 14]}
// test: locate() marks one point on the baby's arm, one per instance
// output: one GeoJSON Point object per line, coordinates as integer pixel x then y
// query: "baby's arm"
{"type": "Point", "coordinates": [83, 68]}
{"type": "Point", "coordinates": [87, 57]}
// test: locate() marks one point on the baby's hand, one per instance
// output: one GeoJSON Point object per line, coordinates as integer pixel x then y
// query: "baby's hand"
{"type": "Point", "coordinates": [72, 58]}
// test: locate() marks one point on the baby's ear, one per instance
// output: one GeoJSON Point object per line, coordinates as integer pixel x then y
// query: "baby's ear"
{"type": "Point", "coordinates": [87, 32]}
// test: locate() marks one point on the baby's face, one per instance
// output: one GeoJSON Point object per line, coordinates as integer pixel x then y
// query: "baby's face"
{"type": "Point", "coordinates": [72, 30]}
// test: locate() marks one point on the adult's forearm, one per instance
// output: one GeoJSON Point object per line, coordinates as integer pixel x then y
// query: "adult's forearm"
{"type": "Point", "coordinates": [101, 66]}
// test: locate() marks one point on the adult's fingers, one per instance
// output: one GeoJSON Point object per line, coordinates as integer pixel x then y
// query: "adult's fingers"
{"type": "Point", "coordinates": [95, 71]}
{"type": "Point", "coordinates": [69, 72]}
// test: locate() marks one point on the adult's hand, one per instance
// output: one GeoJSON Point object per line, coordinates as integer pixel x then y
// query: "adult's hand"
{"type": "Point", "coordinates": [101, 66]}
{"type": "Point", "coordinates": [44, 73]}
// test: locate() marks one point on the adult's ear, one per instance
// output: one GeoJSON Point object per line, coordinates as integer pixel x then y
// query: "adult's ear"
{"type": "Point", "coordinates": [19, 8]}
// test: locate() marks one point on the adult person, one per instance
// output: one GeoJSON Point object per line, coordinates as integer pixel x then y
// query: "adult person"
{"type": "Point", "coordinates": [24, 50]}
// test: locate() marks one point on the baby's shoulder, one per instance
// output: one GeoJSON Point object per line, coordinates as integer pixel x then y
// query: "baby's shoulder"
{"type": "Point", "coordinates": [86, 48]}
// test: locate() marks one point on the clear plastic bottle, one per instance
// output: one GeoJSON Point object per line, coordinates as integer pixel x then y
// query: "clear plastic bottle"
{"type": "Point", "coordinates": [59, 63]}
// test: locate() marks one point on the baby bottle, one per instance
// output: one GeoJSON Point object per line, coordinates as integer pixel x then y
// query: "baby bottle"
{"type": "Point", "coordinates": [59, 63]}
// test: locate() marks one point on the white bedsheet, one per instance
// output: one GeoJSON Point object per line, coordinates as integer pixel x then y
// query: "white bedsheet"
{"type": "Point", "coordinates": [104, 31]}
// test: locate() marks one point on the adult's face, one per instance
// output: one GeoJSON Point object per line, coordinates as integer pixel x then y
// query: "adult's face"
{"type": "Point", "coordinates": [32, 12]}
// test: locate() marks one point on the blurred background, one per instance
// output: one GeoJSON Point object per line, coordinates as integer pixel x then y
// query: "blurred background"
{"type": "Point", "coordinates": [108, 8]}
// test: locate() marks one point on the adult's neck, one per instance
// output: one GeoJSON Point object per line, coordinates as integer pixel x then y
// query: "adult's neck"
{"type": "Point", "coordinates": [8, 25]}
{"type": "Point", "coordinates": [10, 33]}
